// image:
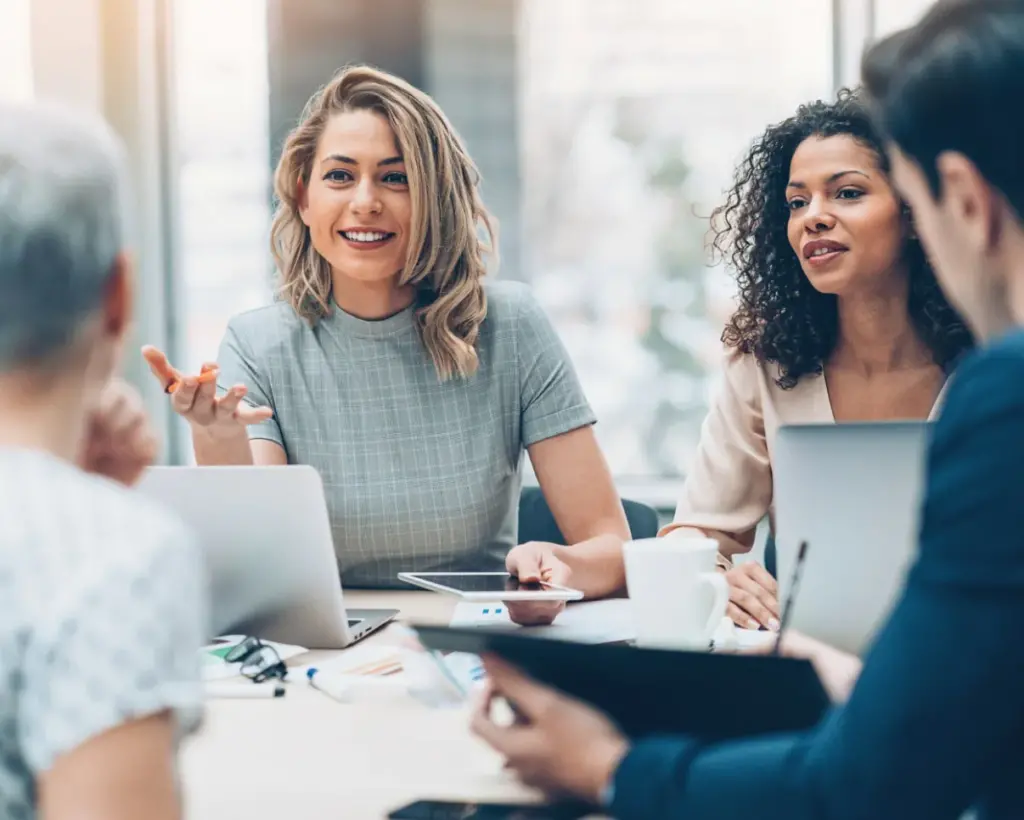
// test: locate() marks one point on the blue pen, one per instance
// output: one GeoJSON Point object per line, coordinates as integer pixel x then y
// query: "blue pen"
{"type": "Point", "coordinates": [333, 688]}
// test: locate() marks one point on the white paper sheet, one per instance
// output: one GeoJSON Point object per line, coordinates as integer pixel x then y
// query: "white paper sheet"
{"type": "Point", "coordinates": [754, 639]}
{"type": "Point", "coordinates": [370, 660]}
{"type": "Point", "coordinates": [586, 622]}
{"type": "Point", "coordinates": [731, 638]}
{"type": "Point", "coordinates": [597, 622]}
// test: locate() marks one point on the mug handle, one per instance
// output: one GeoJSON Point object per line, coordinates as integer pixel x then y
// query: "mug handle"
{"type": "Point", "coordinates": [720, 588]}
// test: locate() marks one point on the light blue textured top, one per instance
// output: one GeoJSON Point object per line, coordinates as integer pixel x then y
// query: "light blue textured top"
{"type": "Point", "coordinates": [419, 474]}
{"type": "Point", "coordinates": [104, 611]}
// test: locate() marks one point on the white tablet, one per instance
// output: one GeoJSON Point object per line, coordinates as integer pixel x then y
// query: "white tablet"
{"type": "Point", "coordinates": [489, 586]}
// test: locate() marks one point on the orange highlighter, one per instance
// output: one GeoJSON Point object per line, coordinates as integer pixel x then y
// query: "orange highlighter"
{"type": "Point", "coordinates": [207, 373]}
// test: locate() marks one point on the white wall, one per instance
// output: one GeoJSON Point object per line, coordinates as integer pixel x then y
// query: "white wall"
{"type": "Point", "coordinates": [15, 51]}
{"type": "Point", "coordinates": [105, 56]}
{"type": "Point", "coordinates": [892, 15]}
{"type": "Point", "coordinates": [470, 69]}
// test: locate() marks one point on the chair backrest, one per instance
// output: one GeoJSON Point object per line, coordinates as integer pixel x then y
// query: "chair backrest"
{"type": "Point", "coordinates": [769, 555]}
{"type": "Point", "coordinates": [536, 523]}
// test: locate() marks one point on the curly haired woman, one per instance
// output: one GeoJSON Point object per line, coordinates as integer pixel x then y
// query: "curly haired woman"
{"type": "Point", "coordinates": [839, 319]}
{"type": "Point", "coordinates": [388, 364]}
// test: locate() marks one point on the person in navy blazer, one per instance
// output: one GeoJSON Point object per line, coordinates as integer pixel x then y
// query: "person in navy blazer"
{"type": "Point", "coordinates": [934, 724]}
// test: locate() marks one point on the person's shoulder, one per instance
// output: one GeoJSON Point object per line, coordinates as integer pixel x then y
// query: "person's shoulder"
{"type": "Point", "coordinates": [106, 572]}
{"type": "Point", "coordinates": [972, 517]}
{"type": "Point", "coordinates": [98, 529]}
{"type": "Point", "coordinates": [1007, 349]}
{"type": "Point", "coordinates": [276, 317]}
{"type": "Point", "coordinates": [266, 327]}
{"type": "Point", "coordinates": [514, 320]}
{"type": "Point", "coordinates": [991, 374]}
{"type": "Point", "coordinates": [984, 401]}
{"type": "Point", "coordinates": [741, 365]}
{"type": "Point", "coordinates": [134, 529]}
{"type": "Point", "coordinates": [508, 301]}
{"type": "Point", "coordinates": [134, 547]}
{"type": "Point", "coordinates": [745, 375]}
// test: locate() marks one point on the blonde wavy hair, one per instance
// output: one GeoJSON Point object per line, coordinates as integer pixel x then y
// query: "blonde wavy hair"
{"type": "Point", "coordinates": [446, 255]}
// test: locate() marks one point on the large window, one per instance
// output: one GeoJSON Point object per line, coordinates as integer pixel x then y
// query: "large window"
{"type": "Point", "coordinates": [15, 51]}
{"type": "Point", "coordinates": [633, 116]}
{"type": "Point", "coordinates": [220, 88]}
{"type": "Point", "coordinates": [890, 16]}
{"type": "Point", "coordinates": [222, 134]}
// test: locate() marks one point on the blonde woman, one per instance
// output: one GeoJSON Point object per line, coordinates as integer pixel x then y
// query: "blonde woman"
{"type": "Point", "coordinates": [388, 364]}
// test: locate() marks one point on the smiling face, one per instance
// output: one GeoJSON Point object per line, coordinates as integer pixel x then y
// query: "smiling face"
{"type": "Point", "coordinates": [845, 222]}
{"type": "Point", "coordinates": [357, 204]}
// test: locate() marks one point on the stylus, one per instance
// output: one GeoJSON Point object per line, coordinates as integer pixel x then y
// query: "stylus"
{"type": "Point", "coordinates": [787, 610]}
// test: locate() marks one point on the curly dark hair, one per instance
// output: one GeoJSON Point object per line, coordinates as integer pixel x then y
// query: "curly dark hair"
{"type": "Point", "coordinates": [781, 318]}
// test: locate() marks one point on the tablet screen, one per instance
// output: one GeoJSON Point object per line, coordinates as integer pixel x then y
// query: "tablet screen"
{"type": "Point", "coordinates": [496, 582]}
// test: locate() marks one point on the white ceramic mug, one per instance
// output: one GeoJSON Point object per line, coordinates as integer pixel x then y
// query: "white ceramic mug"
{"type": "Point", "coordinates": [678, 597]}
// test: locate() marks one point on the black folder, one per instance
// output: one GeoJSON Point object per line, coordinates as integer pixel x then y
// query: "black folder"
{"type": "Point", "coordinates": [655, 691]}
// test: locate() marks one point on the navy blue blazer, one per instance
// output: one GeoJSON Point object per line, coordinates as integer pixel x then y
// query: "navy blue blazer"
{"type": "Point", "coordinates": [935, 724]}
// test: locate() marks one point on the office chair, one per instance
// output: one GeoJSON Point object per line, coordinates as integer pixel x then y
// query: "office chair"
{"type": "Point", "coordinates": [769, 555]}
{"type": "Point", "coordinates": [536, 523]}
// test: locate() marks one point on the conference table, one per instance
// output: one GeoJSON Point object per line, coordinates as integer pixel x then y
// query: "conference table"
{"type": "Point", "coordinates": [309, 757]}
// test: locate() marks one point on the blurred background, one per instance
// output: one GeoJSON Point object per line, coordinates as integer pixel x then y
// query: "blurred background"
{"type": "Point", "coordinates": [606, 132]}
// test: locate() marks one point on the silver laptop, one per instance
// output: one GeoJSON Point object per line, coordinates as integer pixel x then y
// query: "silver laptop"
{"type": "Point", "coordinates": [267, 539]}
{"type": "Point", "coordinates": [853, 492]}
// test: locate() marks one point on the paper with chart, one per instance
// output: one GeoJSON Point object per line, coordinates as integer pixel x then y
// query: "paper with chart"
{"type": "Point", "coordinates": [587, 622]}
{"type": "Point", "coordinates": [605, 621]}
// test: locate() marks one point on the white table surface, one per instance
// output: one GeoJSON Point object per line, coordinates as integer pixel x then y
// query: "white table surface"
{"type": "Point", "coordinates": [308, 757]}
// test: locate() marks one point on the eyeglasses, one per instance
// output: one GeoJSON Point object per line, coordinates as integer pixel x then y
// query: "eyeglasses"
{"type": "Point", "coordinates": [260, 662]}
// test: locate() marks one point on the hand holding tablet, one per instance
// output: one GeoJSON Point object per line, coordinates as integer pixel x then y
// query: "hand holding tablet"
{"type": "Point", "coordinates": [489, 586]}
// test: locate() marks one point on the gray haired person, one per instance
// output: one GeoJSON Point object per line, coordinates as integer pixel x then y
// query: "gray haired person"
{"type": "Point", "coordinates": [103, 596]}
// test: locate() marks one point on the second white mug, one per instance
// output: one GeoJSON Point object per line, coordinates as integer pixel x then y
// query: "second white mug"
{"type": "Point", "coordinates": [678, 597]}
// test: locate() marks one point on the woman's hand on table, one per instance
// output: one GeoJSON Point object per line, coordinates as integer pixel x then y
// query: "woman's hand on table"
{"type": "Point", "coordinates": [535, 562]}
{"type": "Point", "coordinates": [195, 399]}
{"type": "Point", "coordinates": [753, 597]}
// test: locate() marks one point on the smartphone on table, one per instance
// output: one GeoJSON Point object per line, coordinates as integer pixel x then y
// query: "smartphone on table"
{"type": "Point", "coordinates": [450, 810]}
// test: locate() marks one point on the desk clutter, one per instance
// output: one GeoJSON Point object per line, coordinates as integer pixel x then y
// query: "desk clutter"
{"type": "Point", "coordinates": [595, 622]}
{"type": "Point", "coordinates": [232, 656]}
{"type": "Point", "coordinates": [239, 666]}
{"type": "Point", "coordinates": [652, 690]}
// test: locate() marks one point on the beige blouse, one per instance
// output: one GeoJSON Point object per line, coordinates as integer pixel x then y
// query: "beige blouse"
{"type": "Point", "coordinates": [729, 485]}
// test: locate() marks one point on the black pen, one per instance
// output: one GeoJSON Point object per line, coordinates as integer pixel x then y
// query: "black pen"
{"type": "Point", "coordinates": [787, 610]}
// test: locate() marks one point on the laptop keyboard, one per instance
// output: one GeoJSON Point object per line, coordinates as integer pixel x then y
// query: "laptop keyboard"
{"type": "Point", "coordinates": [354, 622]}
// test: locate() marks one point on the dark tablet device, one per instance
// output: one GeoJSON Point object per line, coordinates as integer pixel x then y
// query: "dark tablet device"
{"type": "Point", "coordinates": [446, 810]}
{"type": "Point", "coordinates": [651, 691]}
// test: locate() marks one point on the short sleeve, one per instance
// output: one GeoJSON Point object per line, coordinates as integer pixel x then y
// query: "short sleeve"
{"type": "Point", "coordinates": [551, 397]}
{"type": "Point", "coordinates": [119, 644]}
{"type": "Point", "coordinates": [729, 485]}
{"type": "Point", "coordinates": [238, 365]}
